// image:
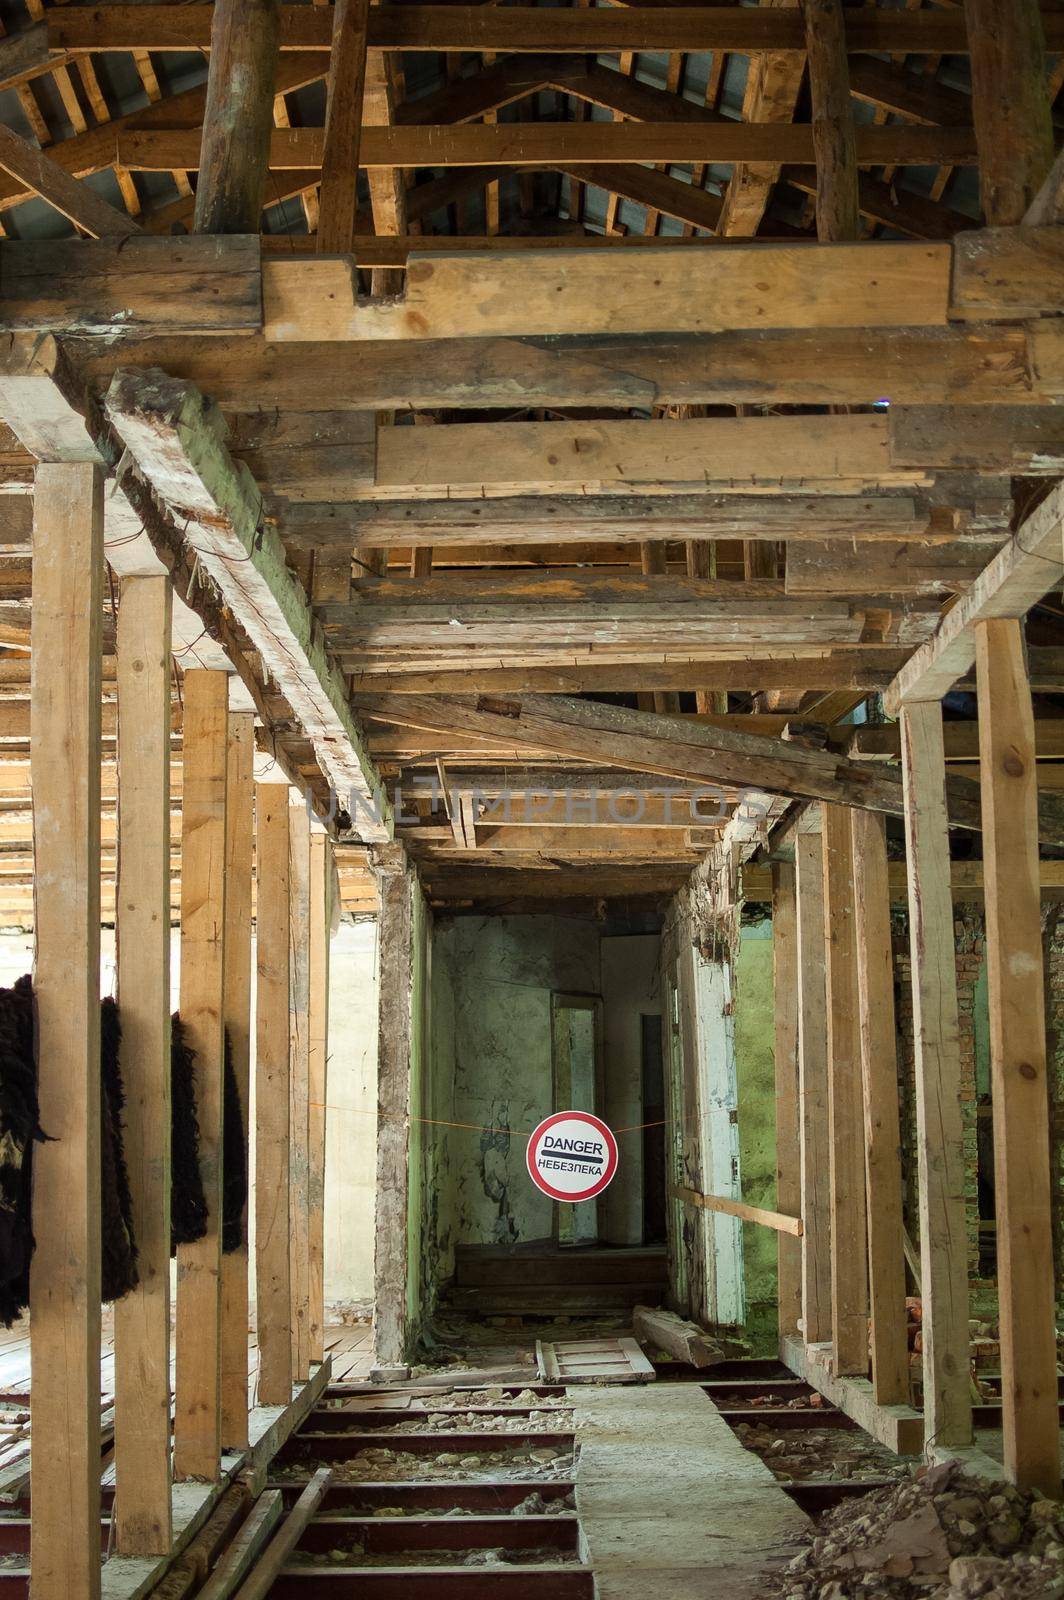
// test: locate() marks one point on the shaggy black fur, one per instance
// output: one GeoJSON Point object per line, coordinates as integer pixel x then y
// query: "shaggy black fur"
{"type": "Point", "coordinates": [188, 1203]}
{"type": "Point", "coordinates": [234, 1159]}
{"type": "Point", "coordinates": [120, 1273]}
{"type": "Point", "coordinates": [19, 1129]}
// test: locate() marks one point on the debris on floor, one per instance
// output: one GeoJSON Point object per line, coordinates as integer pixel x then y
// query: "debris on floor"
{"type": "Point", "coordinates": [941, 1535]}
{"type": "Point", "coordinates": [834, 1454]}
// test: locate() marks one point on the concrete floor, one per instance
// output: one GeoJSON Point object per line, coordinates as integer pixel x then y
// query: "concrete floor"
{"type": "Point", "coordinates": [670, 1501]}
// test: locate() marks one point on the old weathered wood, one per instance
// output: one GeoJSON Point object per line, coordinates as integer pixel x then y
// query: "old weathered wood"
{"type": "Point", "coordinates": [680, 1339]}
{"type": "Point", "coordinates": [1013, 122]}
{"type": "Point", "coordinates": [785, 1056]}
{"type": "Point", "coordinates": [75, 201]}
{"type": "Point", "coordinates": [1006, 272]}
{"type": "Point", "coordinates": [299, 914]}
{"type": "Point", "coordinates": [395, 1020]}
{"type": "Point", "coordinates": [65, 1282]}
{"type": "Point", "coordinates": [834, 131]}
{"type": "Point", "coordinates": [273, 1275]}
{"type": "Point", "coordinates": [1022, 1183]}
{"type": "Point", "coordinates": [343, 126]}
{"type": "Point", "coordinates": [142, 937]}
{"type": "Point", "coordinates": [239, 847]}
{"type": "Point", "coordinates": [1020, 440]}
{"type": "Point", "coordinates": [321, 908]}
{"type": "Point", "coordinates": [268, 1568]}
{"type": "Point", "coordinates": [238, 117]}
{"type": "Point", "coordinates": [775, 1220]}
{"type": "Point", "coordinates": [940, 1153]}
{"type": "Point", "coordinates": [814, 1140]}
{"type": "Point", "coordinates": [882, 1134]}
{"type": "Point", "coordinates": [238, 1557]}
{"type": "Point", "coordinates": [197, 1413]}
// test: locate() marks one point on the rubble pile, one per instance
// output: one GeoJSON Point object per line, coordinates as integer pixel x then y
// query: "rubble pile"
{"type": "Point", "coordinates": [796, 1455]}
{"type": "Point", "coordinates": [453, 1421]}
{"type": "Point", "coordinates": [941, 1535]}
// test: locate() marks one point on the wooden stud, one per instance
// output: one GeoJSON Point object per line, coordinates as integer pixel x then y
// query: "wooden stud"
{"type": "Point", "coordinates": [788, 1144]}
{"type": "Point", "coordinates": [197, 1414]}
{"type": "Point", "coordinates": [814, 1139]}
{"type": "Point", "coordinates": [940, 1152]}
{"type": "Point", "coordinates": [321, 879]}
{"type": "Point", "coordinates": [1018, 1060]}
{"type": "Point", "coordinates": [142, 937]}
{"type": "Point", "coordinates": [239, 847]}
{"type": "Point", "coordinates": [882, 1134]}
{"type": "Point", "coordinates": [343, 127]}
{"type": "Point", "coordinates": [849, 1257]}
{"type": "Point", "coordinates": [238, 117]}
{"type": "Point", "coordinates": [65, 1282]}
{"type": "Point", "coordinates": [834, 135]}
{"type": "Point", "coordinates": [299, 1080]}
{"type": "Point", "coordinates": [1010, 104]}
{"type": "Point", "coordinates": [390, 1260]}
{"type": "Point", "coordinates": [273, 1291]}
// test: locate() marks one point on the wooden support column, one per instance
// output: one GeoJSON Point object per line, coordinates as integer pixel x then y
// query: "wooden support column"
{"type": "Point", "coordinates": [788, 1144]}
{"type": "Point", "coordinates": [1019, 1089]}
{"type": "Point", "coordinates": [273, 1280]}
{"type": "Point", "coordinates": [1010, 104]}
{"type": "Point", "coordinates": [299, 1079]}
{"type": "Point", "coordinates": [814, 1138]}
{"type": "Point", "coordinates": [940, 1153]}
{"type": "Point", "coordinates": [834, 139]}
{"type": "Point", "coordinates": [321, 874]}
{"type": "Point", "coordinates": [238, 118]}
{"type": "Point", "coordinates": [142, 935]}
{"type": "Point", "coordinates": [65, 1282]}
{"type": "Point", "coordinates": [849, 1235]}
{"type": "Point", "coordinates": [882, 1133]}
{"type": "Point", "coordinates": [343, 127]}
{"type": "Point", "coordinates": [198, 1388]}
{"type": "Point", "coordinates": [395, 990]}
{"type": "Point", "coordinates": [239, 847]}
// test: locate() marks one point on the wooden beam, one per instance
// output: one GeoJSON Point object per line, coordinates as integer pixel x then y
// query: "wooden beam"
{"type": "Point", "coordinates": [273, 1275]}
{"type": "Point", "coordinates": [343, 126]}
{"type": "Point", "coordinates": [142, 937]}
{"type": "Point", "coordinates": [178, 442]}
{"type": "Point", "coordinates": [1013, 121]}
{"type": "Point", "coordinates": [773, 82]}
{"type": "Point", "coordinates": [390, 1261]}
{"type": "Point", "coordinates": [882, 1135]}
{"type": "Point", "coordinates": [239, 849]}
{"type": "Point", "coordinates": [940, 1153]}
{"type": "Point", "coordinates": [321, 885]}
{"type": "Point", "coordinates": [834, 130]}
{"type": "Point", "coordinates": [813, 1135]}
{"type": "Point", "coordinates": [785, 1226]}
{"type": "Point", "coordinates": [197, 1412]}
{"type": "Point", "coordinates": [238, 116]}
{"type": "Point", "coordinates": [785, 1054]}
{"type": "Point", "coordinates": [1022, 1184]}
{"type": "Point", "coordinates": [77, 202]}
{"type": "Point", "coordinates": [65, 1281]}
{"type": "Point", "coordinates": [849, 1235]}
{"type": "Point", "coordinates": [299, 1082]}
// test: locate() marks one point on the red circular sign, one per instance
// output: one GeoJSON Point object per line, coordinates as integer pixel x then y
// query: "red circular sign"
{"type": "Point", "coordinates": [572, 1156]}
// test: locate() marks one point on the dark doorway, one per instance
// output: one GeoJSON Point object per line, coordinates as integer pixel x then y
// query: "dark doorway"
{"type": "Point", "coordinates": [654, 1226]}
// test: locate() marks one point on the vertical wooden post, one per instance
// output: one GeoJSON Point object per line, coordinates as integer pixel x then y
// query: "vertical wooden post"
{"type": "Point", "coordinates": [238, 118]}
{"type": "Point", "coordinates": [834, 138]}
{"type": "Point", "coordinates": [882, 1134]}
{"type": "Point", "coordinates": [343, 126]}
{"type": "Point", "coordinates": [198, 1414]}
{"type": "Point", "coordinates": [814, 1138]}
{"type": "Point", "coordinates": [849, 1230]}
{"type": "Point", "coordinates": [1010, 104]}
{"type": "Point", "coordinates": [320, 933]}
{"type": "Point", "coordinates": [273, 1280]}
{"type": "Point", "coordinates": [396, 976]}
{"type": "Point", "coordinates": [299, 1080]}
{"type": "Point", "coordinates": [142, 933]}
{"type": "Point", "coordinates": [239, 843]}
{"type": "Point", "coordinates": [65, 1282]}
{"type": "Point", "coordinates": [788, 1146]}
{"type": "Point", "coordinates": [1018, 1059]}
{"type": "Point", "coordinates": [940, 1153]}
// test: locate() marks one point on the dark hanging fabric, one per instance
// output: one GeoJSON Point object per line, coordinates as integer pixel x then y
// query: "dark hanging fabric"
{"type": "Point", "coordinates": [188, 1203]}
{"type": "Point", "coordinates": [234, 1159]}
{"type": "Point", "coordinates": [119, 1274]}
{"type": "Point", "coordinates": [20, 1129]}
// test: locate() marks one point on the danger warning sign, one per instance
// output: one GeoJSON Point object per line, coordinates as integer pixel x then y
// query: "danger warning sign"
{"type": "Point", "coordinates": [572, 1156]}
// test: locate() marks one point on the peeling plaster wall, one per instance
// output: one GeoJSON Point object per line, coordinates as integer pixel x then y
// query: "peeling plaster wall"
{"type": "Point", "coordinates": [351, 1118]}
{"type": "Point", "coordinates": [755, 1069]}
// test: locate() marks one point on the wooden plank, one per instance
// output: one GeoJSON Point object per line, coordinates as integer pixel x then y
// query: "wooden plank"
{"type": "Point", "coordinates": [578, 292]}
{"type": "Point", "coordinates": [238, 117]}
{"type": "Point", "coordinates": [940, 1154]}
{"type": "Point", "coordinates": [395, 933]}
{"type": "Point", "coordinates": [76, 201]}
{"type": "Point", "coordinates": [65, 1282]}
{"type": "Point", "coordinates": [1022, 1183]}
{"type": "Point", "coordinates": [849, 1238]}
{"type": "Point", "coordinates": [773, 83]}
{"type": "Point", "coordinates": [837, 567]}
{"type": "Point", "coordinates": [244, 1551]}
{"type": "Point", "coordinates": [814, 1143]}
{"type": "Point", "coordinates": [1006, 273]}
{"type": "Point", "coordinates": [197, 1412]}
{"type": "Point", "coordinates": [739, 1208]}
{"type": "Point", "coordinates": [682, 1340]}
{"type": "Point", "coordinates": [785, 1057]}
{"type": "Point", "coordinates": [882, 1135]}
{"type": "Point", "coordinates": [1024, 569]}
{"type": "Point", "coordinates": [1013, 120]}
{"type": "Point", "coordinates": [239, 849]}
{"type": "Point", "coordinates": [321, 889]}
{"type": "Point", "coordinates": [1020, 440]}
{"type": "Point", "coordinates": [900, 1428]}
{"type": "Point", "coordinates": [343, 126]}
{"type": "Point", "coordinates": [834, 129]}
{"type": "Point", "coordinates": [273, 1280]}
{"type": "Point", "coordinates": [142, 938]}
{"type": "Point", "coordinates": [299, 1081]}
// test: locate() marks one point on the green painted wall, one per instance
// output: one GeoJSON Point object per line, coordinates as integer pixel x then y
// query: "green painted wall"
{"type": "Point", "coordinates": [755, 1070]}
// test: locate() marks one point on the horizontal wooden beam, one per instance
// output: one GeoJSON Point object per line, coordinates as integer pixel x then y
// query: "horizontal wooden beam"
{"type": "Point", "coordinates": [966, 880]}
{"type": "Point", "coordinates": [738, 1208]}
